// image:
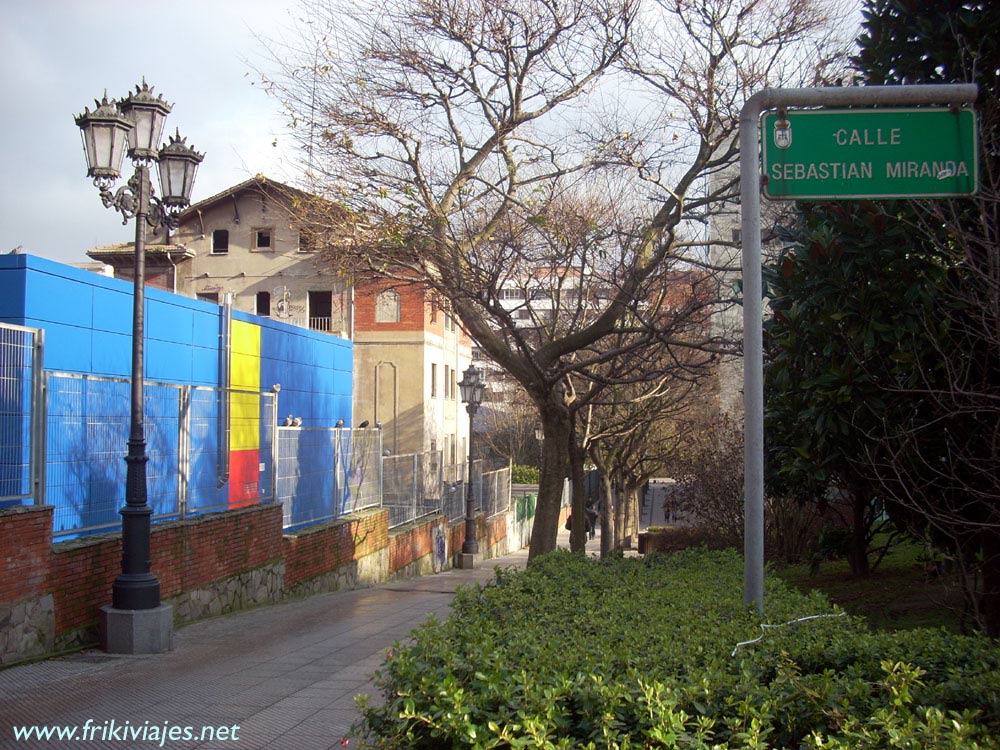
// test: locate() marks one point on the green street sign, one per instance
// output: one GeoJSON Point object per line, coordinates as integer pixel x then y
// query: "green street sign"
{"type": "Point", "coordinates": [870, 153]}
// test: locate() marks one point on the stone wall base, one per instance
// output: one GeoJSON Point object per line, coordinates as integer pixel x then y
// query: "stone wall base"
{"type": "Point", "coordinates": [246, 589]}
{"type": "Point", "coordinates": [27, 628]}
{"type": "Point", "coordinates": [366, 571]}
{"type": "Point", "coordinates": [423, 566]}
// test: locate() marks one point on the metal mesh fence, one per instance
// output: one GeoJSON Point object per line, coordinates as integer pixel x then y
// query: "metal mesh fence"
{"type": "Point", "coordinates": [454, 483]}
{"type": "Point", "coordinates": [324, 473]}
{"type": "Point", "coordinates": [18, 372]}
{"type": "Point", "coordinates": [411, 486]}
{"type": "Point", "coordinates": [188, 472]}
{"type": "Point", "coordinates": [496, 491]}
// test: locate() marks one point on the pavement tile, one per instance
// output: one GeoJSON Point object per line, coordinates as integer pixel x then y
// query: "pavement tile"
{"type": "Point", "coordinates": [313, 702]}
{"type": "Point", "coordinates": [287, 673]}
{"type": "Point", "coordinates": [306, 742]}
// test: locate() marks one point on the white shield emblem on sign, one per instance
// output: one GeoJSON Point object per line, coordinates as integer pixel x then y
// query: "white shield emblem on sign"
{"type": "Point", "coordinates": [782, 133]}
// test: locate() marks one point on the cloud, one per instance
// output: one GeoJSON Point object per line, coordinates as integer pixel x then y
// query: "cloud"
{"type": "Point", "coordinates": [62, 54]}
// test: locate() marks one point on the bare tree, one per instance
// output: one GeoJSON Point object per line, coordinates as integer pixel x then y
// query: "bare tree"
{"type": "Point", "coordinates": [635, 434]}
{"type": "Point", "coordinates": [480, 144]}
{"type": "Point", "coordinates": [508, 423]}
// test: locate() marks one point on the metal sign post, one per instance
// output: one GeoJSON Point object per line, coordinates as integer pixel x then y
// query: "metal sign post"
{"type": "Point", "coordinates": [750, 187]}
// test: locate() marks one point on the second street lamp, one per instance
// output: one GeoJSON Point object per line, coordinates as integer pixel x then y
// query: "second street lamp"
{"type": "Point", "coordinates": [472, 388]}
{"type": "Point", "coordinates": [137, 121]}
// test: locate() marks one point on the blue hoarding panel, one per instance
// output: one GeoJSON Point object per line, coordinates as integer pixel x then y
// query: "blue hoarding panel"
{"type": "Point", "coordinates": [87, 320]}
{"type": "Point", "coordinates": [12, 300]}
{"type": "Point", "coordinates": [113, 311]}
{"type": "Point", "coordinates": [66, 348]}
{"type": "Point", "coordinates": [111, 354]}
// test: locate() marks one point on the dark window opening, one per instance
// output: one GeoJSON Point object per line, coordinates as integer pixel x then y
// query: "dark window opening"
{"type": "Point", "coordinates": [220, 241]}
{"type": "Point", "coordinates": [307, 241]}
{"type": "Point", "coordinates": [212, 297]}
{"type": "Point", "coordinates": [320, 310]}
{"type": "Point", "coordinates": [262, 239]}
{"type": "Point", "coordinates": [264, 304]}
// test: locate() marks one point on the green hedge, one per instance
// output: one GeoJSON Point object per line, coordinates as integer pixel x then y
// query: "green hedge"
{"type": "Point", "coordinates": [631, 653]}
{"type": "Point", "coordinates": [521, 474]}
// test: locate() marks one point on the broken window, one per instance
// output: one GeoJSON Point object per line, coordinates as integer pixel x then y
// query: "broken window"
{"type": "Point", "coordinates": [220, 241]}
{"type": "Point", "coordinates": [320, 310]}
{"type": "Point", "coordinates": [264, 304]}
{"type": "Point", "coordinates": [262, 239]}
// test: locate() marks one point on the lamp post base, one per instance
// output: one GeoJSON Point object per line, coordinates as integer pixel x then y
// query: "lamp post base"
{"type": "Point", "coordinates": [468, 560]}
{"type": "Point", "coordinates": [137, 631]}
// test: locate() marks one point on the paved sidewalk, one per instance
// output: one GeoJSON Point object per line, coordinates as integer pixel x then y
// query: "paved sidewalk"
{"type": "Point", "coordinates": [286, 674]}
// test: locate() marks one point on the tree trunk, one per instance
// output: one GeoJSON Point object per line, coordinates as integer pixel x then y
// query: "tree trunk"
{"type": "Point", "coordinates": [631, 513]}
{"type": "Point", "coordinates": [555, 458]}
{"type": "Point", "coordinates": [578, 528]}
{"type": "Point", "coordinates": [607, 516]}
{"type": "Point", "coordinates": [989, 600]}
{"type": "Point", "coordinates": [857, 554]}
{"type": "Point", "coordinates": [619, 504]}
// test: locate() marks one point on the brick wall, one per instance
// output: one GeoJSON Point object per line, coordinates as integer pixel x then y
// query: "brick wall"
{"type": "Point", "coordinates": [82, 573]}
{"type": "Point", "coordinates": [186, 555]}
{"type": "Point", "coordinates": [413, 543]}
{"type": "Point", "coordinates": [412, 307]}
{"type": "Point", "coordinates": [25, 544]}
{"type": "Point", "coordinates": [320, 549]}
{"type": "Point", "coordinates": [490, 533]}
{"type": "Point", "coordinates": [189, 554]}
{"type": "Point", "coordinates": [76, 577]}
{"type": "Point", "coordinates": [456, 537]}
{"type": "Point", "coordinates": [495, 531]}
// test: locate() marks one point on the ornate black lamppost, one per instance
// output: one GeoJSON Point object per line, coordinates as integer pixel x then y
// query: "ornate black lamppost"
{"type": "Point", "coordinates": [472, 387]}
{"type": "Point", "coordinates": [137, 122]}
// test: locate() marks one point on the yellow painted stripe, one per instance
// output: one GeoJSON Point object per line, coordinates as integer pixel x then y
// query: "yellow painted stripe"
{"type": "Point", "coordinates": [244, 408]}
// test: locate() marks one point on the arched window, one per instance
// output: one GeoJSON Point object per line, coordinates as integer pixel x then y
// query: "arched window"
{"type": "Point", "coordinates": [387, 307]}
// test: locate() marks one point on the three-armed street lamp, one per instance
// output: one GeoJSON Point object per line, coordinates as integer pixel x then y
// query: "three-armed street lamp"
{"type": "Point", "coordinates": [472, 387]}
{"type": "Point", "coordinates": [137, 122]}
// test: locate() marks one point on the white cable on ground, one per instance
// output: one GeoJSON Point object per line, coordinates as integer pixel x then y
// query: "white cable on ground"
{"type": "Point", "coordinates": [764, 627]}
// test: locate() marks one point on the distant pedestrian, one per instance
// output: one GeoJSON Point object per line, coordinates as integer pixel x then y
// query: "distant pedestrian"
{"type": "Point", "coordinates": [591, 522]}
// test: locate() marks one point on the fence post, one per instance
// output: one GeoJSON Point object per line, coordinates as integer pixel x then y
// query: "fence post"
{"type": "Point", "coordinates": [439, 463]}
{"type": "Point", "coordinates": [379, 467]}
{"type": "Point", "coordinates": [413, 491]}
{"type": "Point", "coordinates": [275, 447]}
{"type": "Point", "coordinates": [39, 417]}
{"type": "Point", "coordinates": [478, 485]}
{"type": "Point", "coordinates": [335, 501]}
{"type": "Point", "coordinates": [225, 392]}
{"type": "Point", "coordinates": [183, 448]}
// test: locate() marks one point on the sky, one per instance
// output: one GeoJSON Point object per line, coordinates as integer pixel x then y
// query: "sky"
{"type": "Point", "coordinates": [61, 55]}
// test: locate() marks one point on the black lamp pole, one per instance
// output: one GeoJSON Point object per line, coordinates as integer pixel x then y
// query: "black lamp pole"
{"type": "Point", "coordinates": [137, 587]}
{"type": "Point", "coordinates": [472, 387]}
{"type": "Point", "coordinates": [138, 120]}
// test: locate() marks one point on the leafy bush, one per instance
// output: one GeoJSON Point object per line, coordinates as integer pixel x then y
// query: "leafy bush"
{"type": "Point", "coordinates": [521, 474]}
{"type": "Point", "coordinates": [709, 475]}
{"type": "Point", "coordinates": [637, 653]}
{"type": "Point", "coordinates": [677, 538]}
